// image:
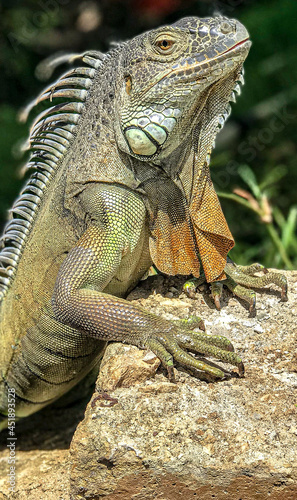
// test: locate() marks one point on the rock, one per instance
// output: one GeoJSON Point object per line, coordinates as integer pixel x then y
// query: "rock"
{"type": "Point", "coordinates": [40, 475]}
{"type": "Point", "coordinates": [232, 439]}
{"type": "Point", "coordinates": [144, 438]}
{"type": "Point", "coordinates": [125, 366]}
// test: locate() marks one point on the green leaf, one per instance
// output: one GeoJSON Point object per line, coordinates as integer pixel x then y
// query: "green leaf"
{"type": "Point", "coordinates": [273, 176]}
{"type": "Point", "coordinates": [279, 217]}
{"type": "Point", "coordinates": [289, 229]}
{"type": "Point", "coordinates": [249, 178]}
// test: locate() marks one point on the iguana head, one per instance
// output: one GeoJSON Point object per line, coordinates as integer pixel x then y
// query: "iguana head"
{"type": "Point", "coordinates": [170, 79]}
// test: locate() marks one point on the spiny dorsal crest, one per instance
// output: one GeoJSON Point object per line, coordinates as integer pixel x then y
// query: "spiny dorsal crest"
{"type": "Point", "coordinates": [50, 136]}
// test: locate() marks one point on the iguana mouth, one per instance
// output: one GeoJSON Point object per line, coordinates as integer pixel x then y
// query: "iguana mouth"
{"type": "Point", "coordinates": [208, 62]}
{"type": "Point", "coordinates": [237, 45]}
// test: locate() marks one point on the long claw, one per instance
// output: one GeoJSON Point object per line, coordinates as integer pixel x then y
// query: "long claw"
{"type": "Point", "coordinates": [201, 326]}
{"type": "Point", "coordinates": [216, 293]}
{"type": "Point", "coordinates": [171, 376]}
{"type": "Point", "coordinates": [252, 307]}
{"type": "Point", "coordinates": [217, 302]}
{"type": "Point", "coordinates": [241, 370]}
{"type": "Point", "coordinates": [284, 292]}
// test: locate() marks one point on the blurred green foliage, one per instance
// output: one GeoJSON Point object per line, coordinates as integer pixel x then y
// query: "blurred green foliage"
{"type": "Point", "coordinates": [256, 151]}
{"type": "Point", "coordinates": [262, 134]}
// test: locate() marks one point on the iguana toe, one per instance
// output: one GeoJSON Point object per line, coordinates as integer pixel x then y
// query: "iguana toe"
{"type": "Point", "coordinates": [242, 278]}
{"type": "Point", "coordinates": [174, 345]}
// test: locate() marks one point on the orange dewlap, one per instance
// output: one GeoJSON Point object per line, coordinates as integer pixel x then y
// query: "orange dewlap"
{"type": "Point", "coordinates": [199, 230]}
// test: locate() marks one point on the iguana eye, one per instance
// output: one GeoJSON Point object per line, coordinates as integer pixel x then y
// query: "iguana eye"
{"type": "Point", "coordinates": [164, 44]}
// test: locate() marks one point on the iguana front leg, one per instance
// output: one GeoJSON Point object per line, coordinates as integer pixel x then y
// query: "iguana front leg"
{"type": "Point", "coordinates": [241, 280]}
{"type": "Point", "coordinates": [79, 299]}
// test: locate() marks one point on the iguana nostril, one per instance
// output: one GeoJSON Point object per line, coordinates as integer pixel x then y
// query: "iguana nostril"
{"type": "Point", "coordinates": [226, 28]}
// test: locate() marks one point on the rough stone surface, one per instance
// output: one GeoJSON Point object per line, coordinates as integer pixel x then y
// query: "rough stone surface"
{"type": "Point", "coordinates": [40, 475]}
{"type": "Point", "coordinates": [234, 439]}
{"type": "Point", "coordinates": [125, 366]}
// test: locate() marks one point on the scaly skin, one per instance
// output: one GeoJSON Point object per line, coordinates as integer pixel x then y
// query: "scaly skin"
{"type": "Point", "coordinates": [240, 280]}
{"type": "Point", "coordinates": [121, 181]}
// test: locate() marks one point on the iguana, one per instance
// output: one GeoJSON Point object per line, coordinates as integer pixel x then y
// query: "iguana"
{"type": "Point", "coordinates": [120, 181]}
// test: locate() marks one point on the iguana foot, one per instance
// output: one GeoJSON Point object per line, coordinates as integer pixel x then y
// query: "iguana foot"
{"type": "Point", "coordinates": [174, 345]}
{"type": "Point", "coordinates": [240, 280]}
{"type": "Point", "coordinates": [190, 286]}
